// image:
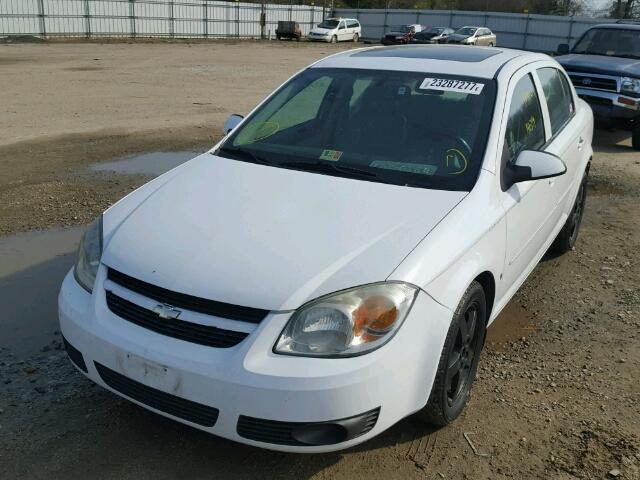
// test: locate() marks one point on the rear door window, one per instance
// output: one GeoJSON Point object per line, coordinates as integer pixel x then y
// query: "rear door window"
{"type": "Point", "coordinates": [558, 97]}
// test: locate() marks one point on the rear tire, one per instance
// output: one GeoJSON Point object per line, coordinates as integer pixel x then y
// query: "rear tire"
{"type": "Point", "coordinates": [567, 237]}
{"type": "Point", "coordinates": [459, 359]}
{"type": "Point", "coordinates": [356, 38]}
{"type": "Point", "coordinates": [491, 44]}
{"type": "Point", "coordinates": [635, 137]}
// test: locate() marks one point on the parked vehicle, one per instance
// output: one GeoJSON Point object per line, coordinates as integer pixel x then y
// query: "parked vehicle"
{"type": "Point", "coordinates": [604, 67]}
{"type": "Point", "coordinates": [432, 35]}
{"type": "Point", "coordinates": [303, 287]}
{"type": "Point", "coordinates": [473, 36]}
{"type": "Point", "coordinates": [402, 35]}
{"type": "Point", "coordinates": [290, 30]}
{"type": "Point", "coordinates": [337, 30]}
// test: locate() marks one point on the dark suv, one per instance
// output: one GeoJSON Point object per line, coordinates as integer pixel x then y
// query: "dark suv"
{"type": "Point", "coordinates": [604, 66]}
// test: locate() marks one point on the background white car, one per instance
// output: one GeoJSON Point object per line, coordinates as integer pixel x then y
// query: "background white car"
{"type": "Point", "coordinates": [337, 30]}
{"type": "Point", "coordinates": [332, 265]}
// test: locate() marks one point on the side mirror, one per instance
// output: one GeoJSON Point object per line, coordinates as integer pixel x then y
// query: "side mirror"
{"type": "Point", "coordinates": [231, 123]}
{"type": "Point", "coordinates": [563, 49]}
{"type": "Point", "coordinates": [533, 165]}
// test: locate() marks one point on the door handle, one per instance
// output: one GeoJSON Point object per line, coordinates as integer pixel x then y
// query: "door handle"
{"type": "Point", "coordinates": [580, 143]}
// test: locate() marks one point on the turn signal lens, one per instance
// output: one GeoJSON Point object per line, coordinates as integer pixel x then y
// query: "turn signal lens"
{"type": "Point", "coordinates": [347, 323]}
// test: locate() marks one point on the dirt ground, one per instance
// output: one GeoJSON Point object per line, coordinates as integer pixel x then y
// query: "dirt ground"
{"type": "Point", "coordinates": [557, 394]}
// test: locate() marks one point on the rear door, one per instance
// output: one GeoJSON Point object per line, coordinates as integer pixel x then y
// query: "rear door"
{"type": "Point", "coordinates": [567, 139]}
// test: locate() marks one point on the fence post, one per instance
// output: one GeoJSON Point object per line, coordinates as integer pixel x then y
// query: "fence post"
{"type": "Point", "coordinates": [385, 27]}
{"type": "Point", "coordinates": [290, 9]}
{"type": "Point", "coordinates": [132, 17]}
{"type": "Point", "coordinates": [43, 27]}
{"type": "Point", "coordinates": [571, 22]}
{"type": "Point", "coordinates": [172, 27]}
{"type": "Point", "coordinates": [313, 8]}
{"type": "Point", "coordinates": [205, 18]}
{"type": "Point", "coordinates": [451, 18]}
{"type": "Point", "coordinates": [237, 19]}
{"type": "Point", "coordinates": [526, 33]}
{"type": "Point", "coordinates": [263, 20]}
{"type": "Point", "coordinates": [87, 19]}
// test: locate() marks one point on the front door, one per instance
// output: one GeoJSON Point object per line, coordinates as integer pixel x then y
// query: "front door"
{"type": "Point", "coordinates": [529, 206]}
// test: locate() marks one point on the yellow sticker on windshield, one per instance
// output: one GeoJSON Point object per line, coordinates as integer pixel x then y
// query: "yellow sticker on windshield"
{"type": "Point", "coordinates": [330, 155]}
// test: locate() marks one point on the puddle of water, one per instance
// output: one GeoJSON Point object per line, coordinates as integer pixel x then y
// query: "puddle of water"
{"type": "Point", "coordinates": [32, 266]}
{"type": "Point", "coordinates": [513, 323]}
{"type": "Point", "coordinates": [152, 164]}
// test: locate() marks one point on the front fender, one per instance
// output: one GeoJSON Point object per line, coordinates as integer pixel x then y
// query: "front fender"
{"type": "Point", "coordinates": [468, 242]}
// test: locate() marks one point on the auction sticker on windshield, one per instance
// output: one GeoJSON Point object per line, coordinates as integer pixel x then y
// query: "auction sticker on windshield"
{"type": "Point", "coordinates": [452, 85]}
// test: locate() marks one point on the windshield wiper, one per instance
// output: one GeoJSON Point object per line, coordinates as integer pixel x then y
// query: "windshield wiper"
{"type": "Point", "coordinates": [626, 55]}
{"type": "Point", "coordinates": [246, 155]}
{"type": "Point", "coordinates": [329, 168]}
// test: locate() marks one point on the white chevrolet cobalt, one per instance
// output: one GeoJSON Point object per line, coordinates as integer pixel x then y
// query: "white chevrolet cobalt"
{"type": "Point", "coordinates": [332, 265]}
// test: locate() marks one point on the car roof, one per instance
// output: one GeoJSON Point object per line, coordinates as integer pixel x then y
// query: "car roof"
{"type": "Point", "coordinates": [462, 60]}
{"type": "Point", "coordinates": [618, 26]}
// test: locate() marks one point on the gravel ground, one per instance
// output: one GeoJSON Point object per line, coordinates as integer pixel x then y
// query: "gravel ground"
{"type": "Point", "coordinates": [556, 396]}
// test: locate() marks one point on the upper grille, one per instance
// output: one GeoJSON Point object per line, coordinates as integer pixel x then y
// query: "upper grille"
{"type": "Point", "coordinates": [188, 331]}
{"type": "Point", "coordinates": [282, 433]}
{"type": "Point", "coordinates": [165, 402]}
{"type": "Point", "coordinates": [597, 83]}
{"type": "Point", "coordinates": [188, 302]}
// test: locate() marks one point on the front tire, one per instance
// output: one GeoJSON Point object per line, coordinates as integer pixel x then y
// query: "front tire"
{"type": "Point", "coordinates": [459, 359]}
{"type": "Point", "coordinates": [567, 237]}
{"type": "Point", "coordinates": [334, 39]}
{"type": "Point", "coordinates": [635, 137]}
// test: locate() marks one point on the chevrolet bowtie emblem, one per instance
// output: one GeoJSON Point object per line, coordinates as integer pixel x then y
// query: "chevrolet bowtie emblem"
{"type": "Point", "coordinates": [167, 312]}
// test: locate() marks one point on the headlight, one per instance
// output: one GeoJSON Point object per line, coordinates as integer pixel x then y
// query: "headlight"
{"type": "Point", "coordinates": [89, 254]}
{"type": "Point", "coordinates": [347, 323]}
{"type": "Point", "coordinates": [630, 85]}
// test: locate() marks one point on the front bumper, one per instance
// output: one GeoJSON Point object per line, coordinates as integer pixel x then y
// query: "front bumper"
{"type": "Point", "coordinates": [239, 390]}
{"type": "Point", "coordinates": [318, 38]}
{"type": "Point", "coordinates": [608, 105]}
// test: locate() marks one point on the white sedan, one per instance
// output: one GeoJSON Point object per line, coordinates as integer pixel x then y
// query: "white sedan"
{"type": "Point", "coordinates": [331, 266]}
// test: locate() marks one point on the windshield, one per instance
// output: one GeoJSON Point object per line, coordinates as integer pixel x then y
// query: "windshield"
{"type": "Point", "coordinates": [609, 41]}
{"type": "Point", "coordinates": [405, 29]}
{"type": "Point", "coordinates": [329, 24]}
{"type": "Point", "coordinates": [405, 128]}
{"type": "Point", "coordinates": [466, 31]}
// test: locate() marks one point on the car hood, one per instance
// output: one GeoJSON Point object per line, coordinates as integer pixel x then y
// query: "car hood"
{"type": "Point", "coordinates": [457, 37]}
{"type": "Point", "coordinates": [322, 31]}
{"type": "Point", "coordinates": [601, 64]}
{"type": "Point", "coordinates": [266, 237]}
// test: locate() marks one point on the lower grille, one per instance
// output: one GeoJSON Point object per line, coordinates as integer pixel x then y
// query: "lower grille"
{"type": "Point", "coordinates": [176, 406]}
{"type": "Point", "coordinates": [306, 433]}
{"type": "Point", "coordinates": [187, 331]}
{"type": "Point", "coordinates": [597, 100]}
{"type": "Point", "coordinates": [75, 356]}
{"type": "Point", "coordinates": [597, 83]}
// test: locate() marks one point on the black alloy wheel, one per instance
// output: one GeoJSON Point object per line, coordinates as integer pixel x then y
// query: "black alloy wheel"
{"type": "Point", "coordinates": [459, 358]}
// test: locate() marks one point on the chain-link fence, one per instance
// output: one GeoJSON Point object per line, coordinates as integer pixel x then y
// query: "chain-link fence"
{"type": "Point", "coordinates": [151, 18]}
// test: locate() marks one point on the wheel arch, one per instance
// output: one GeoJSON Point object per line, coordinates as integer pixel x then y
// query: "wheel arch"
{"type": "Point", "coordinates": [488, 284]}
